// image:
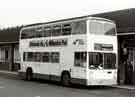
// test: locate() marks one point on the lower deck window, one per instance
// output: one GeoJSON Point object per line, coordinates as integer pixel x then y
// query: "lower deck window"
{"type": "Point", "coordinates": [80, 59]}
{"type": "Point", "coordinates": [45, 57]}
{"type": "Point", "coordinates": [55, 57]}
{"type": "Point", "coordinates": [52, 57]}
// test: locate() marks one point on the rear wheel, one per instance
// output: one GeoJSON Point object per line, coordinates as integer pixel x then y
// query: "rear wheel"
{"type": "Point", "coordinates": [29, 75]}
{"type": "Point", "coordinates": [65, 79]}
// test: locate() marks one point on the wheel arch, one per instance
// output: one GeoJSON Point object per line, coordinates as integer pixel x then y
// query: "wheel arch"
{"type": "Point", "coordinates": [29, 69]}
{"type": "Point", "coordinates": [65, 72]}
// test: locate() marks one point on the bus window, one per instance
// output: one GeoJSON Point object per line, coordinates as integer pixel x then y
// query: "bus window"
{"type": "Point", "coordinates": [45, 57]}
{"type": "Point", "coordinates": [96, 28]}
{"type": "Point", "coordinates": [56, 30]}
{"type": "Point", "coordinates": [47, 31]}
{"type": "Point", "coordinates": [24, 56]}
{"type": "Point", "coordinates": [102, 60]}
{"type": "Point", "coordinates": [99, 27]}
{"type": "Point", "coordinates": [37, 57]}
{"type": "Point", "coordinates": [80, 59]}
{"type": "Point", "coordinates": [109, 29]}
{"type": "Point", "coordinates": [38, 32]}
{"type": "Point", "coordinates": [95, 60]}
{"type": "Point", "coordinates": [55, 57]}
{"type": "Point", "coordinates": [24, 34]}
{"type": "Point", "coordinates": [79, 27]}
{"type": "Point", "coordinates": [109, 61]}
{"type": "Point", "coordinates": [29, 56]}
{"type": "Point", "coordinates": [66, 29]}
{"type": "Point", "coordinates": [27, 33]}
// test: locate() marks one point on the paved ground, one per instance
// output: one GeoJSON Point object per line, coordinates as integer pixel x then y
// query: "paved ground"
{"type": "Point", "coordinates": [12, 86]}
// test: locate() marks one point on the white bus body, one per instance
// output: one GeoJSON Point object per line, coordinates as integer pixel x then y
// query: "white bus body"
{"type": "Point", "coordinates": [80, 50]}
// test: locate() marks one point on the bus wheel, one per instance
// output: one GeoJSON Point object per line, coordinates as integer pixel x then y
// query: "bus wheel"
{"type": "Point", "coordinates": [29, 75]}
{"type": "Point", "coordinates": [65, 79]}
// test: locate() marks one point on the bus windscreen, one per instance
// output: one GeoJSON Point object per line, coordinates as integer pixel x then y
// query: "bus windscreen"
{"type": "Point", "coordinates": [102, 60]}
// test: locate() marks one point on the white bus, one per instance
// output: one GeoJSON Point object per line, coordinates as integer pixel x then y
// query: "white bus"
{"type": "Point", "coordinates": [80, 50]}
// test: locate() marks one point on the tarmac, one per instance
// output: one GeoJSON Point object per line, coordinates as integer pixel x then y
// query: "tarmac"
{"type": "Point", "coordinates": [129, 87]}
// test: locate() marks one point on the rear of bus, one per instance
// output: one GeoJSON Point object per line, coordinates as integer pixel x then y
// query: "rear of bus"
{"type": "Point", "coordinates": [102, 52]}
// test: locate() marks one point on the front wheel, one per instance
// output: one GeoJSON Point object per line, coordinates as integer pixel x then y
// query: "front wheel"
{"type": "Point", "coordinates": [65, 79]}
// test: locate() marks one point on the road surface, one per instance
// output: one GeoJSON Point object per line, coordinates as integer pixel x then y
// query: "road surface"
{"type": "Point", "coordinates": [12, 86]}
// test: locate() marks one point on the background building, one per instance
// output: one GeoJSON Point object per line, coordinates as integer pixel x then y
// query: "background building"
{"type": "Point", "coordinates": [125, 21]}
{"type": "Point", "coordinates": [9, 52]}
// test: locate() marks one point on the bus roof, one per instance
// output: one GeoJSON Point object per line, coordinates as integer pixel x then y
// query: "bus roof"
{"type": "Point", "coordinates": [69, 19]}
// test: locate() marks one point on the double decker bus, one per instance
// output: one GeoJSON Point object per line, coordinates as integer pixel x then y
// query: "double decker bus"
{"type": "Point", "coordinates": [80, 50]}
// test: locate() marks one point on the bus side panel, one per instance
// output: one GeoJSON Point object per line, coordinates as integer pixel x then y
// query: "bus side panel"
{"type": "Point", "coordinates": [77, 43]}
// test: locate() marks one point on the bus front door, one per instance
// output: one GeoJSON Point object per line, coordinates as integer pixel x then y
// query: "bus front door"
{"type": "Point", "coordinates": [79, 74]}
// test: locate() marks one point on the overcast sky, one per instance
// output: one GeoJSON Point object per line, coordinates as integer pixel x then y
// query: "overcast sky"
{"type": "Point", "coordinates": [21, 12]}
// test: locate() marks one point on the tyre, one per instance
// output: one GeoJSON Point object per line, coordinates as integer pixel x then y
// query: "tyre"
{"type": "Point", "coordinates": [65, 79]}
{"type": "Point", "coordinates": [29, 75]}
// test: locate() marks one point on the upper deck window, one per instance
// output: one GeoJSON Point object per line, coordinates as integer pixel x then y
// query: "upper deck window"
{"type": "Point", "coordinates": [28, 33]}
{"type": "Point", "coordinates": [96, 28]}
{"type": "Point", "coordinates": [109, 29]}
{"type": "Point", "coordinates": [66, 29]}
{"type": "Point", "coordinates": [38, 32]}
{"type": "Point", "coordinates": [56, 30]}
{"type": "Point", "coordinates": [23, 34]}
{"type": "Point", "coordinates": [59, 29]}
{"type": "Point", "coordinates": [102, 28]}
{"type": "Point", "coordinates": [47, 31]}
{"type": "Point", "coordinates": [79, 27]}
